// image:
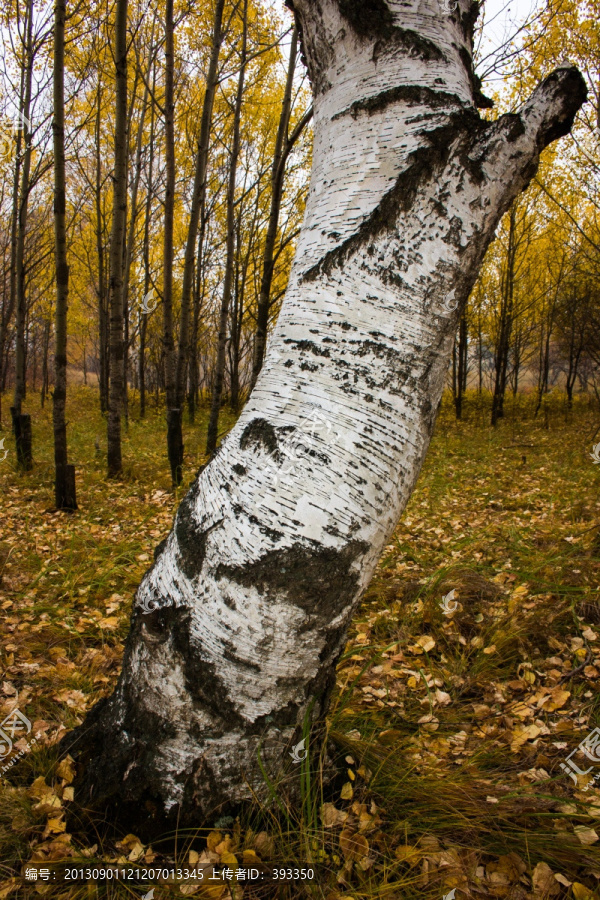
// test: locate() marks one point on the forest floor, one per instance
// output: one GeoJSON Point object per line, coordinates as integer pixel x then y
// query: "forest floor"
{"type": "Point", "coordinates": [471, 672]}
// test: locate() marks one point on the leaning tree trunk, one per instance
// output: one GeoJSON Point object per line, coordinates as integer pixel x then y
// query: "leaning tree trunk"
{"type": "Point", "coordinates": [237, 627]}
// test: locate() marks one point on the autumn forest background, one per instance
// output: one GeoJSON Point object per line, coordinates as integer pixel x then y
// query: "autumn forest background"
{"type": "Point", "coordinates": [154, 162]}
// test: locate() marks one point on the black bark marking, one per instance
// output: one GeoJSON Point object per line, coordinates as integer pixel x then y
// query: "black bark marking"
{"type": "Point", "coordinates": [373, 19]}
{"type": "Point", "coordinates": [368, 18]}
{"type": "Point", "coordinates": [191, 539]}
{"type": "Point", "coordinates": [202, 679]}
{"type": "Point", "coordinates": [309, 345]}
{"type": "Point", "coordinates": [411, 94]}
{"type": "Point", "coordinates": [260, 433]}
{"type": "Point", "coordinates": [424, 163]}
{"type": "Point", "coordinates": [320, 581]}
{"type": "Point", "coordinates": [406, 40]}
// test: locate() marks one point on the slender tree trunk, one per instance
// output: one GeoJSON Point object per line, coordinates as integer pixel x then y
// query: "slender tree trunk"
{"type": "Point", "coordinates": [461, 349]}
{"type": "Point", "coordinates": [45, 351]}
{"type": "Point", "coordinates": [146, 254]}
{"type": "Point", "coordinates": [505, 326]}
{"type": "Point", "coordinates": [115, 465]}
{"type": "Point", "coordinates": [174, 436]}
{"type": "Point", "coordinates": [129, 247]}
{"type": "Point", "coordinates": [21, 422]}
{"type": "Point", "coordinates": [217, 393]}
{"type": "Point", "coordinates": [64, 474]}
{"type": "Point", "coordinates": [238, 625]}
{"type": "Point", "coordinates": [103, 318]}
{"type": "Point", "coordinates": [175, 407]}
{"type": "Point", "coordinates": [262, 315]}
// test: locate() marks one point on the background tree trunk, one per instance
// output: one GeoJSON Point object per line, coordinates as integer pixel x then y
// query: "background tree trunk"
{"type": "Point", "coordinates": [237, 627]}
{"type": "Point", "coordinates": [219, 379]}
{"type": "Point", "coordinates": [119, 213]}
{"type": "Point", "coordinates": [262, 314]}
{"type": "Point", "coordinates": [21, 422]}
{"type": "Point", "coordinates": [64, 477]}
{"type": "Point", "coordinates": [197, 208]}
{"type": "Point", "coordinates": [174, 437]}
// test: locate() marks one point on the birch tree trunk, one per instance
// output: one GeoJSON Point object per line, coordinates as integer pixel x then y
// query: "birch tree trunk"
{"type": "Point", "coordinates": [237, 627]}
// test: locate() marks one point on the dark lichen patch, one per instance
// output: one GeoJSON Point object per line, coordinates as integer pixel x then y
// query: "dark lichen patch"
{"type": "Point", "coordinates": [368, 18]}
{"type": "Point", "coordinates": [191, 538]}
{"type": "Point", "coordinates": [259, 433]}
{"type": "Point", "coordinates": [408, 42]}
{"type": "Point", "coordinates": [202, 680]}
{"type": "Point", "coordinates": [410, 94]}
{"type": "Point", "coordinates": [321, 582]}
{"type": "Point", "coordinates": [239, 469]}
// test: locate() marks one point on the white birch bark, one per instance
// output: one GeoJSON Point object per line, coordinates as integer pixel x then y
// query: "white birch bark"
{"type": "Point", "coordinates": [240, 622]}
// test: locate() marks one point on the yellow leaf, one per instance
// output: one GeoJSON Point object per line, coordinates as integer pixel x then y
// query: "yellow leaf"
{"type": "Point", "coordinates": [581, 892]}
{"type": "Point", "coordinates": [55, 826]}
{"type": "Point", "coordinates": [347, 793]}
{"type": "Point", "coordinates": [66, 769]}
{"type": "Point", "coordinates": [556, 700]}
{"type": "Point", "coordinates": [521, 735]}
{"type": "Point", "coordinates": [213, 840]}
{"type": "Point", "coordinates": [39, 789]}
{"type": "Point", "coordinates": [193, 857]}
{"type": "Point", "coordinates": [426, 642]}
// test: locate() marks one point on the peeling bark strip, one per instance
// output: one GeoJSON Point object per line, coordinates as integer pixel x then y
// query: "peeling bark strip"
{"type": "Point", "coordinates": [251, 594]}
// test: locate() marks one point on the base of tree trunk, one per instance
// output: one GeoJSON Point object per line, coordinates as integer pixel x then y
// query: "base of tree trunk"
{"type": "Point", "coordinates": [23, 439]}
{"type": "Point", "coordinates": [64, 489]}
{"type": "Point", "coordinates": [120, 776]}
{"type": "Point", "coordinates": [175, 444]}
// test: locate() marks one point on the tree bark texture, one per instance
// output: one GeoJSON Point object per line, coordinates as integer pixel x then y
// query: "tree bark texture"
{"type": "Point", "coordinates": [237, 627]}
